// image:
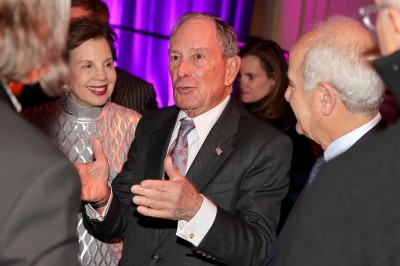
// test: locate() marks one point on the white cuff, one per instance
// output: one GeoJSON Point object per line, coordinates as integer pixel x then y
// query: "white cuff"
{"type": "Point", "coordinates": [196, 229]}
{"type": "Point", "coordinates": [93, 214]}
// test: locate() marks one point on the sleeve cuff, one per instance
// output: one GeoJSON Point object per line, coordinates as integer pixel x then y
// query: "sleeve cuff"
{"type": "Point", "coordinates": [93, 214]}
{"type": "Point", "coordinates": [196, 229]}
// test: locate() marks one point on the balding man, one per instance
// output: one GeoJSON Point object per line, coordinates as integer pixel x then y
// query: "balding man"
{"type": "Point", "coordinates": [335, 94]}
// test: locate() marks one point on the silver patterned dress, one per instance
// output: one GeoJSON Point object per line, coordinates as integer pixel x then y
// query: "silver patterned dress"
{"type": "Point", "coordinates": [72, 127]}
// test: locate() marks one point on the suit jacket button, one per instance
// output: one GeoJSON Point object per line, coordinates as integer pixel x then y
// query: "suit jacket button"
{"type": "Point", "coordinates": [155, 258]}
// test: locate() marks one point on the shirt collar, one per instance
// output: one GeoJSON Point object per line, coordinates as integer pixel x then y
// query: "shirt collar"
{"type": "Point", "coordinates": [206, 121]}
{"type": "Point", "coordinates": [13, 99]}
{"type": "Point", "coordinates": [343, 143]}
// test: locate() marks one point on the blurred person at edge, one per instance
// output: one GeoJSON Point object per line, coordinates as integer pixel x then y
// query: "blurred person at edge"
{"type": "Point", "coordinates": [39, 187]}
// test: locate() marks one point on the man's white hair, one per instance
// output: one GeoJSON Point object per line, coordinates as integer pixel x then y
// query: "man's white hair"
{"type": "Point", "coordinates": [345, 64]}
{"type": "Point", "coordinates": [32, 37]}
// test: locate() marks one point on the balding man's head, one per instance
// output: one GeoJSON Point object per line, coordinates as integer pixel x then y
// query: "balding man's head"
{"type": "Point", "coordinates": [338, 52]}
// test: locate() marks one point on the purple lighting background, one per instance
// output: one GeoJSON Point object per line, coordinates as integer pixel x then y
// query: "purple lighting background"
{"type": "Point", "coordinates": [143, 28]}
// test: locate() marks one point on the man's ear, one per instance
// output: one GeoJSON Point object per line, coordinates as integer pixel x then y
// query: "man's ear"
{"type": "Point", "coordinates": [232, 69]}
{"type": "Point", "coordinates": [327, 98]}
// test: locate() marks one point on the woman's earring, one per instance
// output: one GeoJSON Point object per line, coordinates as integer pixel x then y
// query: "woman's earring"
{"type": "Point", "coordinates": [66, 90]}
{"type": "Point", "coordinates": [64, 100]}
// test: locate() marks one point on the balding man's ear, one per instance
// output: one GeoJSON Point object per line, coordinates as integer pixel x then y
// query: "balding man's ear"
{"type": "Point", "coordinates": [327, 98]}
{"type": "Point", "coordinates": [232, 69]}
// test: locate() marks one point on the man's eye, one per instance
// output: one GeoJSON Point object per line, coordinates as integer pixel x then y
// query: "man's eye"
{"type": "Point", "coordinates": [198, 56]}
{"type": "Point", "coordinates": [174, 58]}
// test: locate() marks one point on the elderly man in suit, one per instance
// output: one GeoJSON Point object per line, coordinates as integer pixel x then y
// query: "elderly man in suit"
{"type": "Point", "coordinates": [350, 215]}
{"type": "Point", "coordinates": [217, 199]}
{"type": "Point", "coordinates": [39, 187]}
{"type": "Point", "coordinates": [333, 89]}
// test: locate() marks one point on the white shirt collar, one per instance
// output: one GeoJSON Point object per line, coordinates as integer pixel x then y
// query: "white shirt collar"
{"type": "Point", "coordinates": [13, 99]}
{"type": "Point", "coordinates": [343, 143]}
{"type": "Point", "coordinates": [205, 121]}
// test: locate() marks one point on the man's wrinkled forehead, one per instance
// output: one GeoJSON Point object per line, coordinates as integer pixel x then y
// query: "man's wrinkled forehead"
{"type": "Point", "coordinates": [192, 30]}
{"type": "Point", "coordinates": [194, 26]}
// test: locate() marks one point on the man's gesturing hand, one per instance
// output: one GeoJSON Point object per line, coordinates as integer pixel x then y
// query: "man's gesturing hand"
{"type": "Point", "coordinates": [94, 176]}
{"type": "Point", "coordinates": [175, 199]}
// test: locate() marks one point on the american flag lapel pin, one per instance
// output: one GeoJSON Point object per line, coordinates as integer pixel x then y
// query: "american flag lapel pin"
{"type": "Point", "coordinates": [218, 151]}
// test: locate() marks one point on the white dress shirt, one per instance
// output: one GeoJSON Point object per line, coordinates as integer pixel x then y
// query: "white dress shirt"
{"type": "Point", "coordinates": [195, 230]}
{"type": "Point", "coordinates": [343, 143]}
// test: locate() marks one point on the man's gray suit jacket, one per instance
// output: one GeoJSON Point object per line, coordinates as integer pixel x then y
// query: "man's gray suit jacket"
{"type": "Point", "coordinates": [247, 182]}
{"type": "Point", "coordinates": [39, 195]}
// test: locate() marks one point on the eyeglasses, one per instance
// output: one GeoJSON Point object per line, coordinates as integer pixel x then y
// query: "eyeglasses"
{"type": "Point", "coordinates": [369, 13]}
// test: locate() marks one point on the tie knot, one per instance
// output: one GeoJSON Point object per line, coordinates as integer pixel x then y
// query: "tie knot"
{"type": "Point", "coordinates": [186, 126]}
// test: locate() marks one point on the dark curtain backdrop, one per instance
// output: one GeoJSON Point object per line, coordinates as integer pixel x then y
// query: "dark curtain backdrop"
{"type": "Point", "coordinates": [143, 28]}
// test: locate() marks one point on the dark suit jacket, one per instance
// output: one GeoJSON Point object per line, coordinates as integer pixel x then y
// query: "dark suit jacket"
{"type": "Point", "coordinates": [247, 182]}
{"type": "Point", "coordinates": [350, 215]}
{"type": "Point", "coordinates": [39, 196]}
{"type": "Point", "coordinates": [134, 93]}
{"type": "Point", "coordinates": [286, 232]}
{"type": "Point", "coordinates": [130, 91]}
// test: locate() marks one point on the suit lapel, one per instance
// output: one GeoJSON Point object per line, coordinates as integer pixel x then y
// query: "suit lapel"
{"type": "Point", "coordinates": [216, 148]}
{"type": "Point", "coordinates": [214, 151]}
{"type": "Point", "coordinates": [158, 145]}
{"type": "Point", "coordinates": [157, 149]}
